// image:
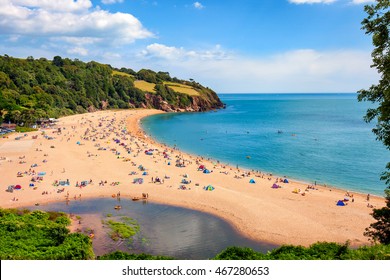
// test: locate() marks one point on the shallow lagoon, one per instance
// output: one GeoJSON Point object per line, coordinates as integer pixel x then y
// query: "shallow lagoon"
{"type": "Point", "coordinates": [164, 230]}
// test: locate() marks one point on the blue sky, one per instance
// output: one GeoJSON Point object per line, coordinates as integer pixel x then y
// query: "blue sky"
{"type": "Point", "coordinates": [268, 46]}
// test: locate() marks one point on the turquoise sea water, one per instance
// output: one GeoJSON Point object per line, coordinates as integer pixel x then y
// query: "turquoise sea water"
{"type": "Point", "coordinates": [318, 138]}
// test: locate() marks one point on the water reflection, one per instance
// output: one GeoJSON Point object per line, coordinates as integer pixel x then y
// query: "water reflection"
{"type": "Point", "coordinates": [164, 230]}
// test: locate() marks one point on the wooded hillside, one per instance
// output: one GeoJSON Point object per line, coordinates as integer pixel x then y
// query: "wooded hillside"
{"type": "Point", "coordinates": [40, 88]}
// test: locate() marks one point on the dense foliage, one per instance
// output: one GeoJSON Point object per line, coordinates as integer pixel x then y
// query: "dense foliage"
{"type": "Point", "coordinates": [317, 251]}
{"type": "Point", "coordinates": [118, 255]}
{"type": "Point", "coordinates": [379, 231]}
{"type": "Point", "coordinates": [39, 88]}
{"type": "Point", "coordinates": [377, 24]}
{"type": "Point", "coordinates": [39, 235]}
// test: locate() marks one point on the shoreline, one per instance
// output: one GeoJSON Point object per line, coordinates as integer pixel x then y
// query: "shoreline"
{"type": "Point", "coordinates": [257, 211]}
{"type": "Point", "coordinates": [296, 180]}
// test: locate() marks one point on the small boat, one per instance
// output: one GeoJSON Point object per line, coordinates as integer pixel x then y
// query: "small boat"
{"type": "Point", "coordinates": [117, 207]}
{"type": "Point", "coordinates": [135, 198]}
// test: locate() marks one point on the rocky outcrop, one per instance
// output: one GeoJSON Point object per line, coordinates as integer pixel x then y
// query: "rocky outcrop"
{"type": "Point", "coordinates": [198, 104]}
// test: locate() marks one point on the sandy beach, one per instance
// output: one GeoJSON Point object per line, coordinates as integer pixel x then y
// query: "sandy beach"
{"type": "Point", "coordinates": [105, 153]}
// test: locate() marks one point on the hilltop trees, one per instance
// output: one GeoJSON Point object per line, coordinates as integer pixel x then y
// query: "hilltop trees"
{"type": "Point", "coordinates": [377, 24]}
{"type": "Point", "coordinates": [38, 88]}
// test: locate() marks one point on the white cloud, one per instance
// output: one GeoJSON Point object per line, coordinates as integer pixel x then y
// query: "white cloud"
{"type": "Point", "coordinates": [179, 54]}
{"type": "Point", "coordinates": [78, 51]}
{"type": "Point", "coordinates": [198, 5]}
{"type": "Point", "coordinates": [362, 1]}
{"type": "Point", "coordinates": [295, 71]}
{"type": "Point", "coordinates": [107, 2]}
{"type": "Point", "coordinates": [50, 5]}
{"type": "Point", "coordinates": [13, 38]}
{"type": "Point", "coordinates": [311, 1]}
{"type": "Point", "coordinates": [68, 19]}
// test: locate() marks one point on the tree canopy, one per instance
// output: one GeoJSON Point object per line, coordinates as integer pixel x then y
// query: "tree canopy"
{"type": "Point", "coordinates": [38, 235]}
{"type": "Point", "coordinates": [39, 88]}
{"type": "Point", "coordinates": [377, 24]}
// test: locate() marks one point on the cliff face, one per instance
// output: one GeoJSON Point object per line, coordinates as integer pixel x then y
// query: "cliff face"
{"type": "Point", "coordinates": [197, 104]}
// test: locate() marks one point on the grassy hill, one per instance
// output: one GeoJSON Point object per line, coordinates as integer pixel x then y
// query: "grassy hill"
{"type": "Point", "coordinates": [40, 88]}
{"type": "Point", "coordinates": [145, 86]}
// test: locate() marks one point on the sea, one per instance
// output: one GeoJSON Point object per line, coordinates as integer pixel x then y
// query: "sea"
{"type": "Point", "coordinates": [313, 138]}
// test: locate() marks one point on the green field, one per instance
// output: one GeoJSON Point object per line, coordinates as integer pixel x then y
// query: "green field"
{"type": "Point", "coordinates": [182, 88]}
{"type": "Point", "coordinates": [145, 86]}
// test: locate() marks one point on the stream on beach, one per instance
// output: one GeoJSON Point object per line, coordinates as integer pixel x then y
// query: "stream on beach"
{"type": "Point", "coordinates": [164, 230]}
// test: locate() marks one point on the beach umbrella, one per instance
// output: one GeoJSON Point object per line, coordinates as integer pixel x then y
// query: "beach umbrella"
{"type": "Point", "coordinates": [17, 187]}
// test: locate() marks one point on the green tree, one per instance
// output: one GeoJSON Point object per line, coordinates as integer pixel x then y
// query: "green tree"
{"type": "Point", "coordinates": [380, 230]}
{"type": "Point", "coordinates": [377, 24]}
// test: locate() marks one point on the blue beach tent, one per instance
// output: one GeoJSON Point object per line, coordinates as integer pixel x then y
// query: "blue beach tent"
{"type": "Point", "coordinates": [285, 181]}
{"type": "Point", "coordinates": [252, 181]}
{"type": "Point", "coordinates": [340, 203]}
{"type": "Point", "coordinates": [206, 171]}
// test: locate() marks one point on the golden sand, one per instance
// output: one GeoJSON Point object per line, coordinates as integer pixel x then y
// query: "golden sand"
{"type": "Point", "coordinates": [85, 150]}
